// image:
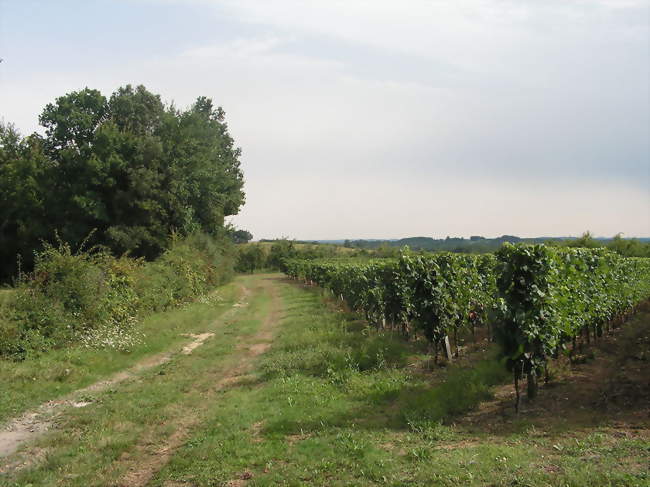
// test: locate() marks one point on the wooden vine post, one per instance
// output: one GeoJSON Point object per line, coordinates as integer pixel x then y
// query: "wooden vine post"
{"type": "Point", "coordinates": [447, 345]}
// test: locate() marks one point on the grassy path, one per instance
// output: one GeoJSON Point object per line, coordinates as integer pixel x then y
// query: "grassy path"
{"type": "Point", "coordinates": [28, 384]}
{"type": "Point", "coordinates": [151, 455]}
{"type": "Point", "coordinates": [33, 423]}
{"type": "Point", "coordinates": [289, 391]}
{"type": "Point", "coordinates": [142, 411]}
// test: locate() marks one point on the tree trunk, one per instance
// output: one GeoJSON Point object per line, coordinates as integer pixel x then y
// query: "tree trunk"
{"type": "Point", "coordinates": [515, 373]}
{"type": "Point", "coordinates": [531, 392]}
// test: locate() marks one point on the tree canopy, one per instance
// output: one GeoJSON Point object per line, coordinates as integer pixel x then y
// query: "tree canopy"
{"type": "Point", "coordinates": [129, 167]}
{"type": "Point", "coordinates": [242, 236]}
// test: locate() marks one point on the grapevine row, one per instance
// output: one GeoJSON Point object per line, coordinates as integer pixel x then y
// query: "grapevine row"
{"type": "Point", "coordinates": [537, 298]}
{"type": "Point", "coordinates": [436, 295]}
{"type": "Point", "coordinates": [549, 296]}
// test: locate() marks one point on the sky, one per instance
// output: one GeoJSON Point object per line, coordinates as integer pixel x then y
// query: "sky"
{"type": "Point", "coordinates": [376, 118]}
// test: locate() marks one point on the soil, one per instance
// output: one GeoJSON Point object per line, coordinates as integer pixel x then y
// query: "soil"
{"type": "Point", "coordinates": [610, 390]}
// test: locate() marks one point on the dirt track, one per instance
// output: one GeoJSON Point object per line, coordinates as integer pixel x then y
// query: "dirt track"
{"type": "Point", "coordinates": [142, 467]}
{"type": "Point", "coordinates": [34, 423]}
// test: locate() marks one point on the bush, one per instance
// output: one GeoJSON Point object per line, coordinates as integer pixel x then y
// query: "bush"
{"type": "Point", "coordinates": [93, 297]}
{"type": "Point", "coordinates": [280, 252]}
{"type": "Point", "coordinates": [250, 258]}
{"type": "Point", "coordinates": [67, 295]}
{"type": "Point", "coordinates": [186, 270]}
{"type": "Point", "coordinates": [254, 257]}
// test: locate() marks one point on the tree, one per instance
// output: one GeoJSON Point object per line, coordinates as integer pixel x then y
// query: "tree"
{"type": "Point", "coordinates": [629, 247]}
{"type": "Point", "coordinates": [280, 252]}
{"type": "Point", "coordinates": [23, 175]}
{"type": "Point", "coordinates": [130, 167]}
{"type": "Point", "coordinates": [242, 236]}
{"type": "Point", "coordinates": [586, 240]}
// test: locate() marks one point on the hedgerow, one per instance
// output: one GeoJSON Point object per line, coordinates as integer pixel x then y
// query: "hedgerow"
{"type": "Point", "coordinates": [96, 299]}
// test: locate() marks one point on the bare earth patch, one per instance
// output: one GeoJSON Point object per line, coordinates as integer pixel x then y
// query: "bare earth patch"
{"type": "Point", "coordinates": [196, 343]}
{"type": "Point", "coordinates": [611, 391]}
{"type": "Point", "coordinates": [293, 439]}
{"type": "Point", "coordinates": [256, 430]}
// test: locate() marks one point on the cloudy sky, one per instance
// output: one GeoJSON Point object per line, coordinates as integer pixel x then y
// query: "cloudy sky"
{"type": "Point", "coordinates": [377, 118]}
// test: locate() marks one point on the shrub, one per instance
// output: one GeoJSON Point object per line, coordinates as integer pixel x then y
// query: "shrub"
{"type": "Point", "coordinates": [66, 295]}
{"type": "Point", "coordinates": [95, 298]}
{"type": "Point", "coordinates": [250, 258]}
{"type": "Point", "coordinates": [186, 270]}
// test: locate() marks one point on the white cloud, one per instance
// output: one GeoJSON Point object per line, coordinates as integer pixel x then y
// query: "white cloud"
{"type": "Point", "coordinates": [387, 119]}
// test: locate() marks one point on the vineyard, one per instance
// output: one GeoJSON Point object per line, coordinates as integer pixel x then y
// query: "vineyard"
{"type": "Point", "coordinates": [534, 300]}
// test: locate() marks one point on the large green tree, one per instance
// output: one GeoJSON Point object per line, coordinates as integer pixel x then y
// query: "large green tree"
{"type": "Point", "coordinates": [23, 182]}
{"type": "Point", "coordinates": [129, 167]}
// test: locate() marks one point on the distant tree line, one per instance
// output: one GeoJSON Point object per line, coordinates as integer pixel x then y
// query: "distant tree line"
{"type": "Point", "coordinates": [629, 247]}
{"type": "Point", "coordinates": [273, 254]}
{"type": "Point", "coordinates": [125, 172]}
{"type": "Point", "coordinates": [478, 244]}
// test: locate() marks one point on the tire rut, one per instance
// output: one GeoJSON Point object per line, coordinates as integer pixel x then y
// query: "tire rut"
{"type": "Point", "coordinates": [31, 424]}
{"type": "Point", "coordinates": [150, 461]}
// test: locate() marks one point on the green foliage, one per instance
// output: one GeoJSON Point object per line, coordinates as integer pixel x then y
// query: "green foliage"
{"type": "Point", "coordinates": [70, 295]}
{"type": "Point", "coordinates": [23, 175]}
{"type": "Point", "coordinates": [280, 252]}
{"type": "Point", "coordinates": [437, 294]}
{"type": "Point", "coordinates": [627, 247]}
{"type": "Point", "coordinates": [462, 391]}
{"type": "Point", "coordinates": [189, 268]}
{"type": "Point", "coordinates": [273, 255]}
{"type": "Point", "coordinates": [441, 292]}
{"type": "Point", "coordinates": [250, 258]}
{"type": "Point", "coordinates": [546, 295]}
{"type": "Point", "coordinates": [130, 167]}
{"type": "Point", "coordinates": [549, 295]}
{"type": "Point", "coordinates": [585, 241]}
{"type": "Point", "coordinates": [241, 236]}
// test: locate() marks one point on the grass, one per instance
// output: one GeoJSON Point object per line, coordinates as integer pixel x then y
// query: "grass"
{"type": "Point", "coordinates": [84, 450]}
{"type": "Point", "coordinates": [331, 403]}
{"type": "Point", "coordinates": [58, 372]}
{"type": "Point", "coordinates": [331, 407]}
